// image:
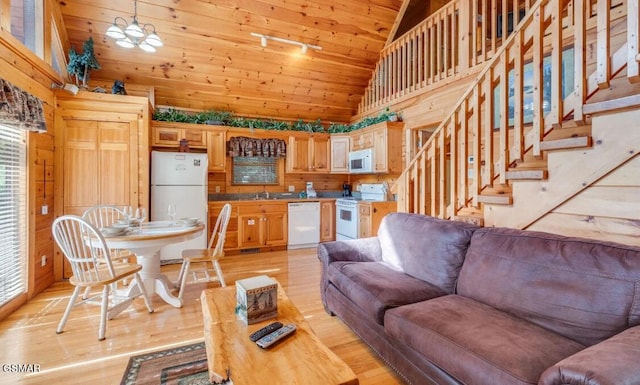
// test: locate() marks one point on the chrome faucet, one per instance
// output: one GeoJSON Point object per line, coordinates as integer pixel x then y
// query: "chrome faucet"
{"type": "Point", "coordinates": [265, 192]}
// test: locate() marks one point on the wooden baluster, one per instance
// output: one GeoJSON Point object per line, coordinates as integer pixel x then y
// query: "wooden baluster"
{"type": "Point", "coordinates": [474, 35]}
{"type": "Point", "coordinates": [465, 24]}
{"type": "Point", "coordinates": [494, 22]}
{"type": "Point", "coordinates": [538, 119]}
{"type": "Point", "coordinates": [446, 54]}
{"type": "Point", "coordinates": [503, 156]}
{"type": "Point", "coordinates": [487, 88]}
{"type": "Point", "coordinates": [477, 145]}
{"type": "Point", "coordinates": [454, 164]}
{"type": "Point", "coordinates": [518, 86]}
{"type": "Point", "coordinates": [557, 104]}
{"type": "Point", "coordinates": [505, 22]}
{"type": "Point", "coordinates": [633, 41]}
{"type": "Point", "coordinates": [463, 139]}
{"type": "Point", "coordinates": [422, 184]}
{"type": "Point", "coordinates": [430, 180]}
{"type": "Point", "coordinates": [603, 66]}
{"type": "Point", "coordinates": [421, 57]}
{"type": "Point", "coordinates": [579, 48]}
{"type": "Point", "coordinates": [442, 174]}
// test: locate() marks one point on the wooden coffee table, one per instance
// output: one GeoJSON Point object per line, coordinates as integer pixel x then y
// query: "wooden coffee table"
{"type": "Point", "coordinates": [299, 359]}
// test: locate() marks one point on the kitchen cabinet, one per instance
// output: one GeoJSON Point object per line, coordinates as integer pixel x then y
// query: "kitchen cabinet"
{"type": "Point", "coordinates": [386, 140]}
{"type": "Point", "coordinates": [217, 150]}
{"type": "Point", "coordinates": [231, 237]}
{"type": "Point", "coordinates": [339, 145]}
{"type": "Point", "coordinates": [169, 134]}
{"type": "Point", "coordinates": [370, 215]}
{"type": "Point", "coordinates": [327, 221]}
{"type": "Point", "coordinates": [102, 153]}
{"type": "Point", "coordinates": [361, 139]}
{"type": "Point", "coordinates": [262, 225]}
{"type": "Point", "coordinates": [308, 153]}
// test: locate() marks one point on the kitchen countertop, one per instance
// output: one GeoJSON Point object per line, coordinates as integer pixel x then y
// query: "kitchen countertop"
{"type": "Point", "coordinates": [280, 196]}
{"type": "Point", "coordinates": [286, 200]}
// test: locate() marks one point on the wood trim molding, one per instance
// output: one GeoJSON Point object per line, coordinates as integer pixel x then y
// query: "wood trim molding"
{"type": "Point", "coordinates": [15, 46]}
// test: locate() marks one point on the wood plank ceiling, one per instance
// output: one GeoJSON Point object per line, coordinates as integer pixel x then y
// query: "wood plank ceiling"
{"type": "Point", "coordinates": [210, 60]}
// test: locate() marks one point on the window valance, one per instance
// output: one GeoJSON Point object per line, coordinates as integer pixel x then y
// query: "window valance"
{"type": "Point", "coordinates": [241, 146]}
{"type": "Point", "coordinates": [20, 108]}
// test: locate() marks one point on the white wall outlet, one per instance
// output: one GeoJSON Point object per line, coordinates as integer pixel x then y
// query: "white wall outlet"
{"type": "Point", "coordinates": [217, 189]}
{"type": "Point", "coordinates": [292, 188]}
{"type": "Point", "coordinates": [43, 261]}
{"type": "Point", "coordinates": [45, 209]}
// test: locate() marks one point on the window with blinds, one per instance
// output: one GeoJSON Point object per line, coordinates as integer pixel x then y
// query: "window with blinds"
{"type": "Point", "coordinates": [13, 220]}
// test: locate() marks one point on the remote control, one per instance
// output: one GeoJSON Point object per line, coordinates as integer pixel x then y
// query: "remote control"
{"type": "Point", "coordinates": [276, 336]}
{"type": "Point", "coordinates": [272, 327]}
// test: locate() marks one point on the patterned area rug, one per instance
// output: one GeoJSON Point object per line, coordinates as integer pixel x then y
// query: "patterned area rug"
{"type": "Point", "coordinates": [184, 365]}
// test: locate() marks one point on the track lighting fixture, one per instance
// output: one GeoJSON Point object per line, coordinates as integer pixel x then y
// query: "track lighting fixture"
{"type": "Point", "coordinates": [304, 47]}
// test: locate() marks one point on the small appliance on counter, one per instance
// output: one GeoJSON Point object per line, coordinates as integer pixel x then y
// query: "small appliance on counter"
{"type": "Point", "coordinates": [346, 190]}
{"type": "Point", "coordinates": [311, 193]}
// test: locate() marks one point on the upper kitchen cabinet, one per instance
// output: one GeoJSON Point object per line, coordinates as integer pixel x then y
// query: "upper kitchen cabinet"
{"type": "Point", "coordinates": [217, 150]}
{"type": "Point", "coordinates": [339, 154]}
{"type": "Point", "coordinates": [308, 153]}
{"type": "Point", "coordinates": [386, 140]}
{"type": "Point", "coordinates": [102, 147]}
{"type": "Point", "coordinates": [169, 134]}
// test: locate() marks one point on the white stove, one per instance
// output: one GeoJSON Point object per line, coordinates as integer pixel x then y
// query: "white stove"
{"type": "Point", "coordinates": [347, 209]}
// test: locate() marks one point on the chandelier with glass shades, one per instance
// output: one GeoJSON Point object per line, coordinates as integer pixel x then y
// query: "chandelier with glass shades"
{"type": "Point", "coordinates": [134, 35]}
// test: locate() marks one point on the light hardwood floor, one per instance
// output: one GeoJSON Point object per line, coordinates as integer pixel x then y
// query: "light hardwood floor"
{"type": "Point", "coordinates": [77, 357]}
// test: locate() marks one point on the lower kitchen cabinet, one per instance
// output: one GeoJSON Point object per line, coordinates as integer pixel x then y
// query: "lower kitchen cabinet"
{"type": "Point", "coordinates": [327, 221]}
{"type": "Point", "coordinates": [262, 225]}
{"type": "Point", "coordinates": [370, 215]}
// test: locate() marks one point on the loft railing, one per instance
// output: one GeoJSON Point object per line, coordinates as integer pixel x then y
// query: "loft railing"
{"type": "Point", "coordinates": [460, 35]}
{"type": "Point", "coordinates": [560, 54]}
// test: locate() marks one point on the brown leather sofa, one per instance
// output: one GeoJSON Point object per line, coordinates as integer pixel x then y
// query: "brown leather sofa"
{"type": "Point", "coordinates": [446, 302]}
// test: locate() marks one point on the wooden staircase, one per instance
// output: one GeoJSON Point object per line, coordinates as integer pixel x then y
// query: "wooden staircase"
{"type": "Point", "coordinates": [513, 150]}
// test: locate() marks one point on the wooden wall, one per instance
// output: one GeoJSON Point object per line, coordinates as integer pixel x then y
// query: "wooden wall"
{"type": "Point", "coordinates": [25, 70]}
{"type": "Point", "coordinates": [609, 209]}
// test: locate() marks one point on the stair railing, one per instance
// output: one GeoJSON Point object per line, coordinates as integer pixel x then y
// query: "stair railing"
{"type": "Point", "coordinates": [460, 35]}
{"type": "Point", "coordinates": [522, 94]}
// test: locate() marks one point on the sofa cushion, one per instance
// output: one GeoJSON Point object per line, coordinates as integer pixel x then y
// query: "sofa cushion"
{"type": "Point", "coordinates": [427, 248]}
{"type": "Point", "coordinates": [376, 287]}
{"type": "Point", "coordinates": [583, 289]}
{"type": "Point", "coordinates": [477, 344]}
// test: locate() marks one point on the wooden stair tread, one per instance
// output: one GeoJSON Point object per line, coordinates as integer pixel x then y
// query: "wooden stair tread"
{"type": "Point", "coordinates": [470, 215]}
{"type": "Point", "coordinates": [566, 143]}
{"type": "Point", "coordinates": [496, 195]}
{"type": "Point", "coordinates": [526, 173]}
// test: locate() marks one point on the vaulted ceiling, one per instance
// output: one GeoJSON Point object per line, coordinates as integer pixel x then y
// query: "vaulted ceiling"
{"type": "Point", "coordinates": [211, 61]}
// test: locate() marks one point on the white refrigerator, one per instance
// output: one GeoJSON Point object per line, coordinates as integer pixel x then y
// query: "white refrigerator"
{"type": "Point", "coordinates": [179, 178]}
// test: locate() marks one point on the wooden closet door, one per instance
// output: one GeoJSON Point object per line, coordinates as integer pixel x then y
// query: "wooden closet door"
{"type": "Point", "coordinates": [99, 164]}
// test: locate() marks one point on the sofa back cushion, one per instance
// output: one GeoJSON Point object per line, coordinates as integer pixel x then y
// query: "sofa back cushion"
{"type": "Point", "coordinates": [583, 289]}
{"type": "Point", "coordinates": [424, 247]}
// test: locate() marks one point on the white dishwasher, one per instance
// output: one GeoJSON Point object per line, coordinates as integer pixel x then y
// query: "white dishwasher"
{"type": "Point", "coordinates": [304, 224]}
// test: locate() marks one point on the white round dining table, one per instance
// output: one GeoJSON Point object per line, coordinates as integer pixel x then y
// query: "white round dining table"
{"type": "Point", "coordinates": [145, 242]}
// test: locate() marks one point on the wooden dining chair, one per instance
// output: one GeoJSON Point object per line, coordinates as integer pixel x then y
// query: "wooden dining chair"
{"type": "Point", "coordinates": [212, 254]}
{"type": "Point", "coordinates": [86, 250]}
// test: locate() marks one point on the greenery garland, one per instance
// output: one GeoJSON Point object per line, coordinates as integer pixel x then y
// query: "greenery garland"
{"type": "Point", "coordinates": [227, 118]}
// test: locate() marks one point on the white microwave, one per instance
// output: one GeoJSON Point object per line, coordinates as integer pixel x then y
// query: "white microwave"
{"type": "Point", "coordinates": [361, 161]}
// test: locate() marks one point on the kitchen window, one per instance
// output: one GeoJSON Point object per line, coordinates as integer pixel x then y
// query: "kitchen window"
{"type": "Point", "coordinates": [13, 217]}
{"type": "Point", "coordinates": [248, 170]}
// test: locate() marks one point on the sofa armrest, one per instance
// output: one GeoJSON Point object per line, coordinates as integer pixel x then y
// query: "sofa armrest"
{"type": "Point", "coordinates": [356, 250]}
{"type": "Point", "coordinates": [611, 362]}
